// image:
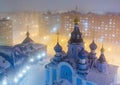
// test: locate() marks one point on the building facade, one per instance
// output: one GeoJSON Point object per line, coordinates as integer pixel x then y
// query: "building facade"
{"type": "Point", "coordinates": [101, 26]}
{"type": "Point", "coordinates": [6, 32]}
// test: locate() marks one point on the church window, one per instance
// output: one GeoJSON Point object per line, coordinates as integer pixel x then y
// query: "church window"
{"type": "Point", "coordinates": [78, 49]}
{"type": "Point", "coordinates": [72, 50]}
{"type": "Point", "coordinates": [78, 36]}
{"type": "Point", "coordinates": [73, 35]}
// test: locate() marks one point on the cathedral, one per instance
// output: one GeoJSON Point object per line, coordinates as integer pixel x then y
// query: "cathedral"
{"type": "Point", "coordinates": [78, 66]}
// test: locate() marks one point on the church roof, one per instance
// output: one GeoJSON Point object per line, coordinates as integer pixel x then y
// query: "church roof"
{"type": "Point", "coordinates": [93, 46]}
{"type": "Point", "coordinates": [58, 48]}
{"type": "Point", "coordinates": [9, 58]}
{"type": "Point", "coordinates": [103, 78]}
{"type": "Point", "coordinates": [102, 58]}
{"type": "Point", "coordinates": [82, 54]}
{"type": "Point", "coordinates": [27, 39]}
{"type": "Point", "coordinates": [76, 35]}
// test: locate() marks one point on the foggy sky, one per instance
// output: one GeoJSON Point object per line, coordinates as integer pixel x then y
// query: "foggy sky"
{"type": "Point", "coordinates": [43, 5]}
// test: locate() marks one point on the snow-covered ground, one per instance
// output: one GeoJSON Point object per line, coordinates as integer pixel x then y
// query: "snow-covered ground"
{"type": "Point", "coordinates": [36, 75]}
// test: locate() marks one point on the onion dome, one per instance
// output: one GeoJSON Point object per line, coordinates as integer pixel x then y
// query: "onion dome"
{"type": "Point", "coordinates": [102, 56]}
{"type": "Point", "coordinates": [76, 35]}
{"type": "Point", "coordinates": [82, 54]}
{"type": "Point", "coordinates": [102, 49]}
{"type": "Point", "coordinates": [58, 48]}
{"type": "Point", "coordinates": [93, 46]}
{"type": "Point", "coordinates": [76, 20]}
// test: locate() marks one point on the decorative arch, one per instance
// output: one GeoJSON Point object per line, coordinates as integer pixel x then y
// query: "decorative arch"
{"type": "Point", "coordinates": [65, 71]}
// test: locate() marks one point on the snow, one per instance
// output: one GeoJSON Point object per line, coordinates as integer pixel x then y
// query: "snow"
{"type": "Point", "coordinates": [106, 78]}
{"type": "Point", "coordinates": [65, 82]}
{"type": "Point", "coordinates": [36, 75]}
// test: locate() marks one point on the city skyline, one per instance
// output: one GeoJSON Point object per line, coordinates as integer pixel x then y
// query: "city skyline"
{"type": "Point", "coordinates": [99, 6]}
{"type": "Point", "coordinates": [59, 42]}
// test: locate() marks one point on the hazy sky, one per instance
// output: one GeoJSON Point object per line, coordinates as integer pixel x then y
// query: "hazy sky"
{"type": "Point", "coordinates": [84, 5]}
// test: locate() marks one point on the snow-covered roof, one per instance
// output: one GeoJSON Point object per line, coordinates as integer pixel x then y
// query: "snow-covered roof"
{"type": "Point", "coordinates": [3, 64]}
{"type": "Point", "coordinates": [103, 78]}
{"type": "Point", "coordinates": [6, 49]}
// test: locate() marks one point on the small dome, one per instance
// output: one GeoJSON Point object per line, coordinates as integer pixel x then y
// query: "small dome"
{"type": "Point", "coordinates": [93, 46]}
{"type": "Point", "coordinates": [76, 20]}
{"type": "Point", "coordinates": [102, 58]}
{"type": "Point", "coordinates": [102, 49]}
{"type": "Point", "coordinates": [82, 54]}
{"type": "Point", "coordinates": [58, 48]}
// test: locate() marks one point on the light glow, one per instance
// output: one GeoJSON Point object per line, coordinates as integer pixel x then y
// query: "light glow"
{"type": "Point", "coordinates": [31, 60]}
{"type": "Point", "coordinates": [16, 80]}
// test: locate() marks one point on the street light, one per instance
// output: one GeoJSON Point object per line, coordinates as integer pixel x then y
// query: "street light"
{"type": "Point", "coordinates": [15, 80]}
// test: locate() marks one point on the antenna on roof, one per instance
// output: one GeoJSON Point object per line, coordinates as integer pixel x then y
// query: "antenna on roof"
{"type": "Point", "coordinates": [76, 8]}
{"type": "Point", "coordinates": [27, 31]}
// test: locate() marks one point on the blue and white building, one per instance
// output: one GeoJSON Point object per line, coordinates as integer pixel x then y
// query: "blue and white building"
{"type": "Point", "coordinates": [77, 66]}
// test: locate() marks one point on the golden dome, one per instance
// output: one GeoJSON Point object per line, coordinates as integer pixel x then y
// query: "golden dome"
{"type": "Point", "coordinates": [102, 49]}
{"type": "Point", "coordinates": [76, 20]}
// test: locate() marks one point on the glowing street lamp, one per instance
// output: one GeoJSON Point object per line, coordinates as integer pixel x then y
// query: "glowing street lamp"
{"type": "Point", "coordinates": [43, 54]}
{"type": "Point", "coordinates": [15, 80]}
{"type": "Point", "coordinates": [39, 56]}
{"type": "Point", "coordinates": [24, 71]}
{"type": "Point", "coordinates": [4, 82]}
{"type": "Point", "coordinates": [31, 60]}
{"type": "Point", "coordinates": [20, 75]}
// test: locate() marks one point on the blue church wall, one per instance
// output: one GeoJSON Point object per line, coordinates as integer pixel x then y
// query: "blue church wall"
{"type": "Point", "coordinates": [89, 83]}
{"type": "Point", "coordinates": [78, 81]}
{"type": "Point", "coordinates": [102, 67]}
{"type": "Point", "coordinates": [82, 66]}
{"type": "Point", "coordinates": [66, 73]}
{"type": "Point", "coordinates": [47, 76]}
{"type": "Point", "coordinates": [54, 75]}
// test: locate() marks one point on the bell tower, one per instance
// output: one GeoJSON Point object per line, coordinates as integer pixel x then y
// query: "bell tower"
{"type": "Point", "coordinates": [75, 44]}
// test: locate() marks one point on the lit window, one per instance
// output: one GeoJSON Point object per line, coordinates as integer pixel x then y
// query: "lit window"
{"type": "Point", "coordinates": [78, 36]}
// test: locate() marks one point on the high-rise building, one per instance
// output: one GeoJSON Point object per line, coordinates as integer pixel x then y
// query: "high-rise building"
{"type": "Point", "coordinates": [102, 27]}
{"type": "Point", "coordinates": [50, 22]}
{"type": "Point", "coordinates": [6, 34]}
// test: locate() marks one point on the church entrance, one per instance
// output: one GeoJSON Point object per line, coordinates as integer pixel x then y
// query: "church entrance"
{"type": "Point", "coordinates": [66, 73]}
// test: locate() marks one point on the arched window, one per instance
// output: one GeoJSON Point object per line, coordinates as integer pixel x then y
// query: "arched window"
{"type": "Point", "coordinates": [66, 73]}
{"type": "Point", "coordinates": [78, 36]}
{"type": "Point", "coordinates": [72, 50]}
{"type": "Point", "coordinates": [73, 36]}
